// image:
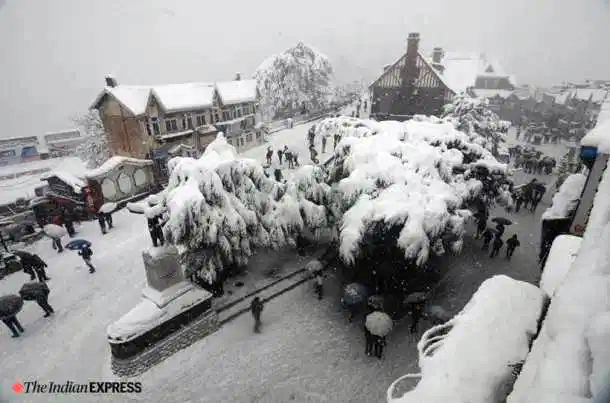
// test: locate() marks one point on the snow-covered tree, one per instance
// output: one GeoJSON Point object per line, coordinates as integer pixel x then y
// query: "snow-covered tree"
{"type": "Point", "coordinates": [95, 150]}
{"type": "Point", "coordinates": [222, 207]}
{"type": "Point", "coordinates": [298, 77]}
{"type": "Point", "coordinates": [399, 179]}
{"type": "Point", "coordinates": [474, 117]}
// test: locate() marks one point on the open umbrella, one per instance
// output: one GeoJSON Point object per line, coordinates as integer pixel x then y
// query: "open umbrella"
{"type": "Point", "coordinates": [76, 244]}
{"type": "Point", "coordinates": [108, 208]}
{"type": "Point", "coordinates": [502, 221]}
{"type": "Point", "coordinates": [10, 305]}
{"type": "Point", "coordinates": [379, 323]}
{"type": "Point", "coordinates": [33, 291]}
{"type": "Point", "coordinates": [354, 294]}
{"type": "Point", "coordinates": [314, 266]}
{"type": "Point", "coordinates": [135, 208]}
{"type": "Point", "coordinates": [416, 297]}
{"type": "Point", "coordinates": [54, 231]}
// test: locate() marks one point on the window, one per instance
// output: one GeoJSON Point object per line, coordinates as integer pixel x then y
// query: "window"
{"type": "Point", "coordinates": [155, 126]}
{"type": "Point", "coordinates": [171, 125]}
{"type": "Point", "coordinates": [258, 135]}
{"type": "Point", "coordinates": [237, 112]}
{"type": "Point", "coordinates": [226, 115]}
{"type": "Point", "coordinates": [247, 109]}
{"type": "Point", "coordinates": [216, 116]}
{"type": "Point", "coordinates": [249, 137]}
{"type": "Point", "coordinates": [201, 120]}
{"type": "Point", "coordinates": [189, 122]}
{"type": "Point", "coordinates": [241, 140]}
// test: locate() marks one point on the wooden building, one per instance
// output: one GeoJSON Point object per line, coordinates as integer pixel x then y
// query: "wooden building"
{"type": "Point", "coordinates": [409, 87]}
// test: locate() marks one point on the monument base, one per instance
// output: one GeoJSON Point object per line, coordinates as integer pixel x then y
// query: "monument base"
{"type": "Point", "coordinates": [159, 326]}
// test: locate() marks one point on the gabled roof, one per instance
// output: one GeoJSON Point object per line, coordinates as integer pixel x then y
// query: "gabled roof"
{"type": "Point", "coordinates": [235, 92]}
{"type": "Point", "coordinates": [461, 70]}
{"type": "Point", "coordinates": [134, 98]}
{"type": "Point", "coordinates": [184, 97]}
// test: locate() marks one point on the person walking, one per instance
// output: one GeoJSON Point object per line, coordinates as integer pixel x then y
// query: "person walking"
{"type": "Point", "coordinates": [379, 344]}
{"type": "Point", "coordinates": [86, 254]}
{"type": "Point", "coordinates": [518, 202]}
{"type": "Point", "coordinates": [269, 155]}
{"type": "Point", "coordinates": [496, 246]}
{"type": "Point", "coordinates": [108, 218]}
{"type": "Point", "coordinates": [417, 312]}
{"type": "Point", "coordinates": [43, 302]}
{"type": "Point", "coordinates": [318, 284]}
{"type": "Point", "coordinates": [279, 155]}
{"type": "Point", "coordinates": [38, 265]}
{"type": "Point", "coordinates": [481, 225]}
{"type": "Point", "coordinates": [511, 244]}
{"type": "Point", "coordinates": [488, 235]}
{"type": "Point", "coordinates": [257, 308]}
{"type": "Point", "coordinates": [155, 230]}
{"type": "Point", "coordinates": [336, 139]}
{"type": "Point", "coordinates": [13, 324]}
{"type": "Point", "coordinates": [324, 140]}
{"type": "Point", "coordinates": [369, 340]}
{"type": "Point", "coordinates": [102, 222]}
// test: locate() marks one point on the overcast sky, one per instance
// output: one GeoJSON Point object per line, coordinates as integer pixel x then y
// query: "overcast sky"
{"type": "Point", "coordinates": [55, 53]}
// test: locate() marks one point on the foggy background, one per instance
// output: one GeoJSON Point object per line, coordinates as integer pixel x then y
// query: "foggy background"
{"type": "Point", "coordinates": [55, 53]}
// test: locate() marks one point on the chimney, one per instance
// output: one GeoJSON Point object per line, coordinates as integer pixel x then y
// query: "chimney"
{"type": "Point", "coordinates": [111, 81]}
{"type": "Point", "coordinates": [437, 55]}
{"type": "Point", "coordinates": [237, 76]}
{"type": "Point", "coordinates": [412, 45]}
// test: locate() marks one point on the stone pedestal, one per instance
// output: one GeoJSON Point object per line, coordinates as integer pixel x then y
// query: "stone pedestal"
{"type": "Point", "coordinates": [172, 314]}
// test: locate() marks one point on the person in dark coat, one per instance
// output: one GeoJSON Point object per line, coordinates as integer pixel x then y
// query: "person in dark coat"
{"type": "Point", "coordinates": [280, 152]}
{"type": "Point", "coordinates": [39, 266]}
{"type": "Point", "coordinates": [336, 140]}
{"type": "Point", "coordinates": [269, 155]}
{"type": "Point", "coordinates": [86, 254]}
{"type": "Point", "coordinates": [378, 346]}
{"type": "Point", "coordinates": [324, 140]}
{"type": "Point", "coordinates": [417, 312]}
{"type": "Point", "coordinates": [496, 246]}
{"type": "Point", "coordinates": [108, 218]}
{"type": "Point", "coordinates": [68, 224]}
{"type": "Point", "coordinates": [156, 232]}
{"type": "Point", "coordinates": [369, 340]}
{"type": "Point", "coordinates": [488, 235]}
{"type": "Point", "coordinates": [33, 265]}
{"type": "Point", "coordinates": [481, 225]}
{"type": "Point", "coordinates": [511, 244]}
{"type": "Point", "coordinates": [43, 302]}
{"type": "Point", "coordinates": [13, 324]}
{"type": "Point", "coordinates": [257, 308]}
{"type": "Point", "coordinates": [518, 202]}
{"type": "Point", "coordinates": [500, 230]}
{"type": "Point", "coordinates": [319, 284]}
{"type": "Point", "coordinates": [102, 222]}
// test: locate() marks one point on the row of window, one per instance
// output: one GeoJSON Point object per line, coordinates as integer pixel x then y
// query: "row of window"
{"type": "Point", "coordinates": [241, 142]}
{"type": "Point", "coordinates": [172, 126]}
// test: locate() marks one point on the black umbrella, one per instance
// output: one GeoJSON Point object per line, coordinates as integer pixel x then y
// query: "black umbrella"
{"type": "Point", "coordinates": [502, 221]}
{"type": "Point", "coordinates": [34, 290]}
{"type": "Point", "coordinates": [76, 244]}
{"type": "Point", "coordinates": [10, 305]}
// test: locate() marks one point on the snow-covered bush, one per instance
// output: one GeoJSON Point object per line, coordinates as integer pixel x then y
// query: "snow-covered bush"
{"type": "Point", "coordinates": [566, 198]}
{"type": "Point", "coordinates": [299, 76]}
{"type": "Point", "coordinates": [222, 206]}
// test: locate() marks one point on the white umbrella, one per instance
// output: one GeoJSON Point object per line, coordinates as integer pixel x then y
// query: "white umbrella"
{"type": "Point", "coordinates": [379, 323]}
{"type": "Point", "coordinates": [54, 231]}
{"type": "Point", "coordinates": [108, 208]}
{"type": "Point", "coordinates": [136, 208]}
{"type": "Point", "coordinates": [314, 266]}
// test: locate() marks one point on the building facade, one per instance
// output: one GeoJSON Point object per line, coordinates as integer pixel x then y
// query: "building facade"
{"type": "Point", "coordinates": [63, 143]}
{"type": "Point", "coordinates": [143, 121]}
{"type": "Point", "coordinates": [17, 150]}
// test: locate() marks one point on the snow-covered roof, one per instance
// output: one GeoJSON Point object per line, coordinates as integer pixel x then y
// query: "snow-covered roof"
{"type": "Point", "coordinates": [461, 70]}
{"type": "Point", "coordinates": [235, 92]}
{"type": "Point", "coordinates": [113, 163]}
{"type": "Point", "coordinates": [560, 259]}
{"type": "Point", "coordinates": [170, 136]}
{"type": "Point", "coordinates": [134, 98]}
{"type": "Point", "coordinates": [566, 198]}
{"type": "Point", "coordinates": [596, 95]}
{"type": "Point", "coordinates": [183, 97]}
{"type": "Point", "coordinates": [75, 181]}
{"type": "Point", "coordinates": [599, 136]}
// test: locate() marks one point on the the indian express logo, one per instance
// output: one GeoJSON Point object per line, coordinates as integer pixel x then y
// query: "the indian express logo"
{"type": "Point", "coordinates": [69, 387]}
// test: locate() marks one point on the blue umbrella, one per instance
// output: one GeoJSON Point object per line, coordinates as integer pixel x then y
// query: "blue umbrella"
{"type": "Point", "coordinates": [354, 294]}
{"type": "Point", "coordinates": [77, 244]}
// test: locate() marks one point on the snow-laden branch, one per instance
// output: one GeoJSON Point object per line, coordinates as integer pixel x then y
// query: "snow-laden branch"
{"type": "Point", "coordinates": [222, 207]}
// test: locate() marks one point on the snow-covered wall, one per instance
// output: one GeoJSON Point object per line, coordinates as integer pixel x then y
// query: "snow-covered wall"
{"type": "Point", "coordinates": [566, 198]}
{"type": "Point", "coordinates": [567, 360]}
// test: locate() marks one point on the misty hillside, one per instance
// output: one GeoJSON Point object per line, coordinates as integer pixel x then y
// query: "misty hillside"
{"type": "Point", "coordinates": [296, 76]}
